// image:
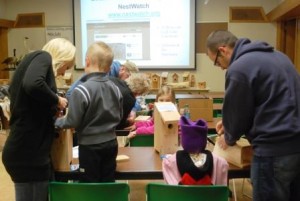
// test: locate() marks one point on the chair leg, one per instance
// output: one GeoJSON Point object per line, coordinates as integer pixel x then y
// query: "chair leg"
{"type": "Point", "coordinates": [243, 185]}
{"type": "Point", "coordinates": [234, 191]}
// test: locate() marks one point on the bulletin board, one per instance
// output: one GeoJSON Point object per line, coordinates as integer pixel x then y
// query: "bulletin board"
{"type": "Point", "coordinates": [60, 32]}
{"type": "Point", "coordinates": [202, 32]}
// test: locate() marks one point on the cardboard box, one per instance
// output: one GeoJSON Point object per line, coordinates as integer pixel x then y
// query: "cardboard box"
{"type": "Point", "coordinates": [142, 118]}
{"type": "Point", "coordinates": [61, 151]}
{"type": "Point", "coordinates": [239, 154]}
{"type": "Point", "coordinates": [199, 108]}
{"type": "Point", "coordinates": [3, 137]}
{"type": "Point", "coordinates": [166, 118]}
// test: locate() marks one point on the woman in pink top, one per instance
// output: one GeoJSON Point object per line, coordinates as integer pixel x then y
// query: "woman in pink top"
{"type": "Point", "coordinates": [165, 94]}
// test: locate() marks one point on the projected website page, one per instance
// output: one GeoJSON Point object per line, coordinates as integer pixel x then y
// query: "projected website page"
{"type": "Point", "coordinates": [153, 33]}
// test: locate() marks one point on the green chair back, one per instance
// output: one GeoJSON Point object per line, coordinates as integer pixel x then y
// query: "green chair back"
{"type": "Point", "coordinates": [142, 141]}
{"type": "Point", "coordinates": [165, 192]}
{"type": "Point", "coordinates": [62, 191]}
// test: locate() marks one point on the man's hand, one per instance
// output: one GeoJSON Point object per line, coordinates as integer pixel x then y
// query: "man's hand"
{"type": "Point", "coordinates": [131, 117]}
{"type": "Point", "coordinates": [222, 143]}
{"type": "Point", "coordinates": [62, 103]}
{"type": "Point", "coordinates": [220, 131]}
{"type": "Point", "coordinates": [220, 128]}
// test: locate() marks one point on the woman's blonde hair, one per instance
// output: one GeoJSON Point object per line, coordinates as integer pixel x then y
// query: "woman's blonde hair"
{"type": "Point", "coordinates": [166, 90]}
{"type": "Point", "coordinates": [101, 55]}
{"type": "Point", "coordinates": [61, 51]}
{"type": "Point", "coordinates": [138, 83]}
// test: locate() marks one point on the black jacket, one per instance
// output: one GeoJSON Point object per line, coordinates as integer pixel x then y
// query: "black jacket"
{"type": "Point", "coordinates": [128, 101]}
{"type": "Point", "coordinates": [26, 154]}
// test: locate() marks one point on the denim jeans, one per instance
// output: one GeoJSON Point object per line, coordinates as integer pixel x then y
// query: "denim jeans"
{"type": "Point", "coordinates": [32, 191]}
{"type": "Point", "coordinates": [276, 178]}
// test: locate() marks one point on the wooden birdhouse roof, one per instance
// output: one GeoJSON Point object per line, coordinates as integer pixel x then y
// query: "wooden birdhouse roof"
{"type": "Point", "coordinates": [186, 74]}
{"type": "Point", "coordinates": [155, 75]}
{"type": "Point", "coordinates": [164, 74]}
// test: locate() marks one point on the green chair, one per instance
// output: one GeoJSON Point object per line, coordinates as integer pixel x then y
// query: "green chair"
{"type": "Point", "coordinates": [142, 141]}
{"type": "Point", "coordinates": [61, 191]}
{"type": "Point", "coordinates": [165, 192]}
{"type": "Point", "coordinates": [218, 100]}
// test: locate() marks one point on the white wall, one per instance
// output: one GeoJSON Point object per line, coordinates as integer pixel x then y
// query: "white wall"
{"type": "Point", "coordinates": [59, 13]}
{"type": "Point", "coordinates": [218, 11]}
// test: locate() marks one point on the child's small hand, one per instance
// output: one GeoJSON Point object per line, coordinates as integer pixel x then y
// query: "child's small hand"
{"type": "Point", "coordinates": [150, 106]}
{"type": "Point", "coordinates": [131, 135]}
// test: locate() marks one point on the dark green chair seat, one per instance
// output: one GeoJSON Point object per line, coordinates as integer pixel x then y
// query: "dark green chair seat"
{"type": "Point", "coordinates": [62, 191]}
{"type": "Point", "coordinates": [165, 192]}
{"type": "Point", "coordinates": [142, 140]}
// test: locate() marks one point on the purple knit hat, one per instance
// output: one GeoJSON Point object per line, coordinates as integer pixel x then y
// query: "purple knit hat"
{"type": "Point", "coordinates": [193, 135]}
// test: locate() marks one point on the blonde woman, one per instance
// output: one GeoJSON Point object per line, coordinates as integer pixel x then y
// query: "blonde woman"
{"type": "Point", "coordinates": [33, 107]}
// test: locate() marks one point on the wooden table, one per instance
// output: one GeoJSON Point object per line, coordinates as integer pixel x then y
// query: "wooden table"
{"type": "Point", "coordinates": [212, 124]}
{"type": "Point", "coordinates": [179, 96]}
{"type": "Point", "coordinates": [189, 90]}
{"type": "Point", "coordinates": [144, 164]}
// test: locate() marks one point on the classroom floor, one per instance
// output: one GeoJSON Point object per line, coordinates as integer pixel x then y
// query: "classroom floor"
{"type": "Point", "coordinates": [137, 187]}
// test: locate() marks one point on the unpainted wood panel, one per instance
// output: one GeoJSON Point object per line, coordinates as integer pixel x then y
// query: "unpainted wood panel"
{"type": "Point", "coordinates": [297, 42]}
{"type": "Point", "coordinates": [3, 52]}
{"type": "Point", "coordinates": [289, 43]}
{"type": "Point", "coordinates": [202, 32]}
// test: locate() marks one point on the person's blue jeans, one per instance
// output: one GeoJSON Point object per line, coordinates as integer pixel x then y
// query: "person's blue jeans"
{"type": "Point", "coordinates": [276, 178]}
{"type": "Point", "coordinates": [32, 191]}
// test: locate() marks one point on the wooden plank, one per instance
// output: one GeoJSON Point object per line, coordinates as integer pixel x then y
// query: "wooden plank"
{"type": "Point", "coordinates": [247, 14]}
{"type": "Point", "coordinates": [202, 32]}
{"type": "Point", "coordinates": [7, 23]}
{"type": "Point", "coordinates": [184, 90]}
{"type": "Point", "coordinates": [3, 52]}
{"type": "Point", "coordinates": [217, 106]}
{"type": "Point", "coordinates": [297, 48]}
{"type": "Point", "coordinates": [288, 9]}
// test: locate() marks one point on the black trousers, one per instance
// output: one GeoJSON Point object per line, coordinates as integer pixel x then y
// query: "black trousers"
{"type": "Point", "coordinates": [98, 162]}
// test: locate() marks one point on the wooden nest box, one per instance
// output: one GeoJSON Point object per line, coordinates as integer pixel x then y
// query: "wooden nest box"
{"type": "Point", "coordinates": [155, 81]}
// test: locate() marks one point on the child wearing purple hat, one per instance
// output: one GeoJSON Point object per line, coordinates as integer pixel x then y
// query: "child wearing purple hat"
{"type": "Point", "coordinates": [194, 165]}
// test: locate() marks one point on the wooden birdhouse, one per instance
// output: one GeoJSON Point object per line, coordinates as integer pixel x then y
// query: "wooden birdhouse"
{"type": "Point", "coordinates": [193, 81]}
{"type": "Point", "coordinates": [164, 78]}
{"type": "Point", "coordinates": [148, 75]}
{"type": "Point", "coordinates": [202, 85]}
{"type": "Point", "coordinates": [186, 77]}
{"type": "Point", "coordinates": [166, 118]}
{"type": "Point", "coordinates": [175, 77]}
{"type": "Point", "coordinates": [155, 81]}
{"type": "Point", "coordinates": [68, 78]}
